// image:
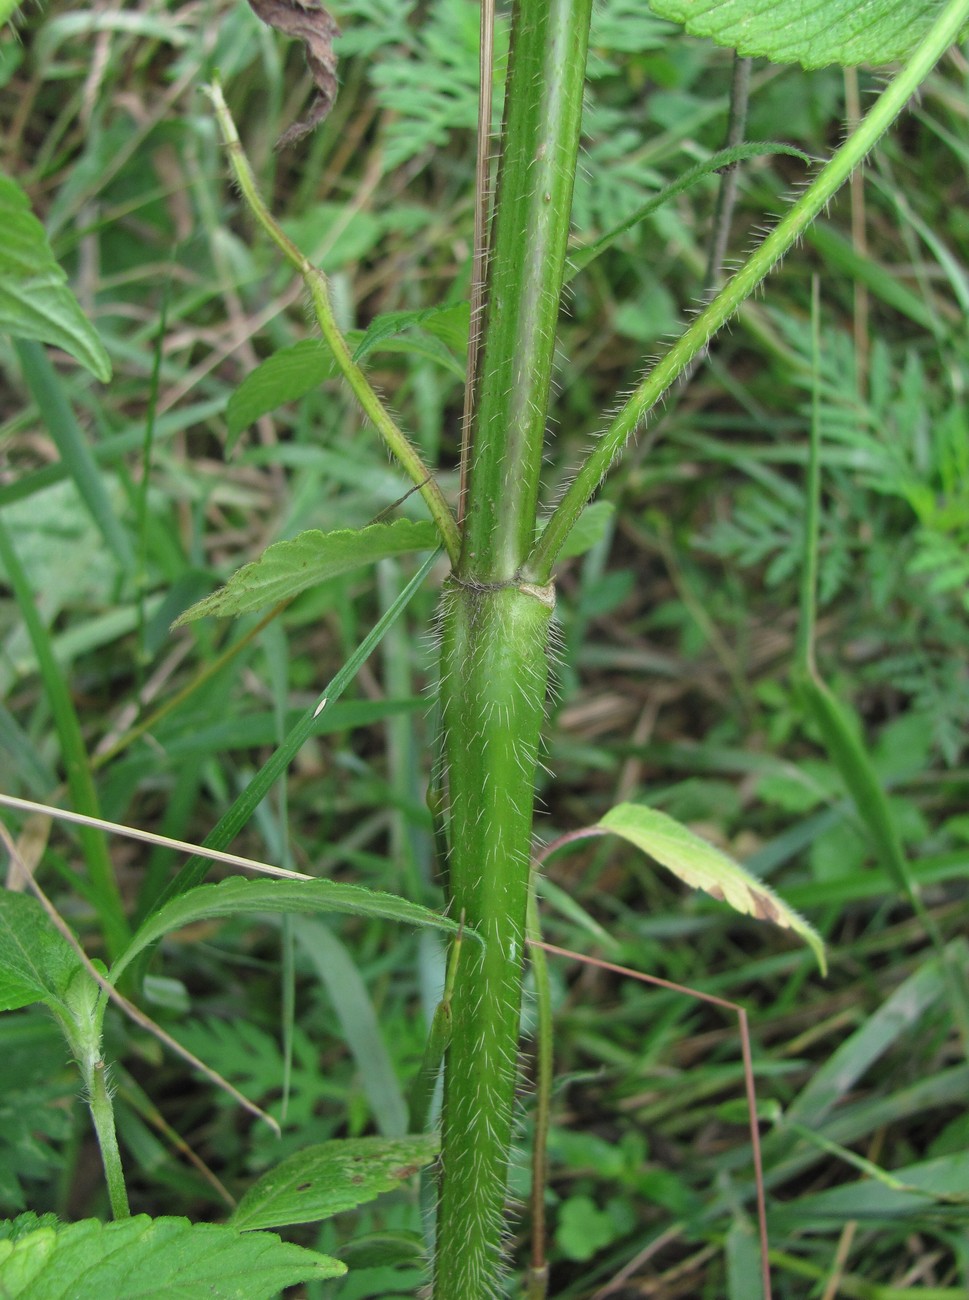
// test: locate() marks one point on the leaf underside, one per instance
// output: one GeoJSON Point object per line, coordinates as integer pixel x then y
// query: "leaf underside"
{"type": "Point", "coordinates": [702, 866]}
{"type": "Point", "coordinates": [37, 964]}
{"type": "Point", "coordinates": [847, 32]}
{"type": "Point", "coordinates": [324, 1180]}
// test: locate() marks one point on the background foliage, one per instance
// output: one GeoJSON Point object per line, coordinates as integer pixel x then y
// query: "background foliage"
{"type": "Point", "coordinates": [677, 638]}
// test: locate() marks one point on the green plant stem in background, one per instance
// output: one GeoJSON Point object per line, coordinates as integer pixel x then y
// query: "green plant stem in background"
{"type": "Point", "coordinates": [81, 1017]}
{"type": "Point", "coordinates": [173, 701]}
{"type": "Point", "coordinates": [493, 669]}
{"type": "Point", "coordinates": [397, 443]}
{"type": "Point", "coordinates": [757, 267]}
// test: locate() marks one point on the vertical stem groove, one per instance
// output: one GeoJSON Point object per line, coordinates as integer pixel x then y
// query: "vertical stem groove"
{"type": "Point", "coordinates": [543, 110]}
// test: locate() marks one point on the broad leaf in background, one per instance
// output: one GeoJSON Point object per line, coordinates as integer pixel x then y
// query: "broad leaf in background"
{"type": "Point", "coordinates": [334, 1176]}
{"type": "Point", "coordinates": [37, 964]}
{"type": "Point", "coordinates": [450, 324]}
{"type": "Point", "coordinates": [590, 528]}
{"type": "Point", "coordinates": [287, 568]}
{"type": "Point", "coordinates": [286, 376]}
{"type": "Point", "coordinates": [702, 866]}
{"type": "Point", "coordinates": [788, 31]}
{"type": "Point", "coordinates": [362, 1028]}
{"type": "Point", "coordinates": [424, 345]}
{"type": "Point", "coordinates": [35, 301]}
{"type": "Point", "coordinates": [144, 1257]}
{"type": "Point", "coordinates": [295, 897]}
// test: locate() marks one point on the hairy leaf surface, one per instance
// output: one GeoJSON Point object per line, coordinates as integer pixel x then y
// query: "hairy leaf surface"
{"type": "Point", "coordinates": [144, 1257]}
{"type": "Point", "coordinates": [789, 31]}
{"type": "Point", "coordinates": [287, 568]}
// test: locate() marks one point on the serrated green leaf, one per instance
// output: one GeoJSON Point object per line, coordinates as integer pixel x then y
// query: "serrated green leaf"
{"type": "Point", "coordinates": [324, 1180]}
{"type": "Point", "coordinates": [296, 897]}
{"type": "Point", "coordinates": [702, 866]}
{"type": "Point", "coordinates": [35, 301]}
{"type": "Point", "coordinates": [143, 1258]}
{"type": "Point", "coordinates": [286, 376]}
{"type": "Point", "coordinates": [788, 31]}
{"type": "Point", "coordinates": [37, 964]}
{"type": "Point", "coordinates": [287, 568]}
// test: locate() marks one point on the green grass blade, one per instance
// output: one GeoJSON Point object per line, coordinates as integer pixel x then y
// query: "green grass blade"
{"type": "Point", "coordinates": [358, 1019]}
{"type": "Point", "coordinates": [79, 778]}
{"type": "Point", "coordinates": [47, 390]}
{"type": "Point", "coordinates": [239, 814]}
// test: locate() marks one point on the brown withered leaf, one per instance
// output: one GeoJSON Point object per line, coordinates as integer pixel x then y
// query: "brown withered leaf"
{"type": "Point", "coordinates": [309, 22]}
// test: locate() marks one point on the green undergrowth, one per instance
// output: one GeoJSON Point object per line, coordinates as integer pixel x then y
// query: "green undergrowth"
{"type": "Point", "coordinates": [123, 504]}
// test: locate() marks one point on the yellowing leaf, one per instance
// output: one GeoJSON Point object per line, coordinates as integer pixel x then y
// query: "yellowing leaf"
{"type": "Point", "coordinates": [702, 866]}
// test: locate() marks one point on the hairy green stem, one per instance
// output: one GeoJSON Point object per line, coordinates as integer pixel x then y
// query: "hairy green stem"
{"type": "Point", "coordinates": [493, 691]}
{"type": "Point", "coordinates": [543, 109]}
{"type": "Point", "coordinates": [396, 441]}
{"type": "Point", "coordinates": [495, 634]}
{"type": "Point", "coordinates": [81, 1017]}
{"type": "Point", "coordinates": [537, 1281]}
{"type": "Point", "coordinates": [757, 267]}
{"type": "Point", "coordinates": [102, 1113]}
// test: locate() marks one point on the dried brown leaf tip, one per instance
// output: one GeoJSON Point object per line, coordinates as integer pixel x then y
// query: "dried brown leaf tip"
{"type": "Point", "coordinates": [312, 24]}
